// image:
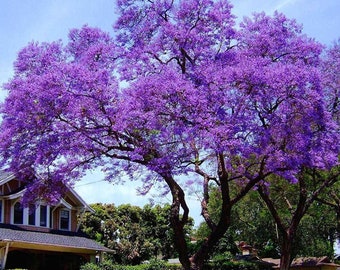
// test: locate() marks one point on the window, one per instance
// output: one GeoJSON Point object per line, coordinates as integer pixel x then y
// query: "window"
{"type": "Point", "coordinates": [18, 217]}
{"type": "Point", "coordinates": [43, 215]}
{"type": "Point", "coordinates": [31, 214]}
{"type": "Point", "coordinates": [64, 219]}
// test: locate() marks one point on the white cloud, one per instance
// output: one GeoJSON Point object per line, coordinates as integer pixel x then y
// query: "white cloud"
{"type": "Point", "coordinates": [283, 4]}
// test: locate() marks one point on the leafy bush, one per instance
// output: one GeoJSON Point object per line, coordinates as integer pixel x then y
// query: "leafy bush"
{"type": "Point", "coordinates": [152, 265]}
{"type": "Point", "coordinates": [156, 265]}
{"type": "Point", "coordinates": [90, 266]}
{"type": "Point", "coordinates": [231, 265]}
{"type": "Point", "coordinates": [219, 263]}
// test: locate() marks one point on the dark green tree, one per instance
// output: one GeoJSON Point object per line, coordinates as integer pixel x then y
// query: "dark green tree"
{"type": "Point", "coordinates": [134, 233]}
{"type": "Point", "coordinates": [291, 204]}
{"type": "Point", "coordinates": [253, 223]}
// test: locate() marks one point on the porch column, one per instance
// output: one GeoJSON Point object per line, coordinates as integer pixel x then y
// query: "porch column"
{"type": "Point", "coordinates": [3, 254]}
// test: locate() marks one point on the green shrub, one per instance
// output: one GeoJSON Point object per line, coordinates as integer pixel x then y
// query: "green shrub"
{"type": "Point", "coordinates": [231, 265]}
{"type": "Point", "coordinates": [156, 265]}
{"type": "Point", "coordinates": [152, 265]}
{"type": "Point", "coordinates": [90, 266]}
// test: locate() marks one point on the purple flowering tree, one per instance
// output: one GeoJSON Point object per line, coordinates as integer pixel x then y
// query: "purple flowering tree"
{"type": "Point", "coordinates": [312, 183]}
{"type": "Point", "coordinates": [310, 176]}
{"type": "Point", "coordinates": [178, 94]}
{"type": "Point", "coordinates": [331, 79]}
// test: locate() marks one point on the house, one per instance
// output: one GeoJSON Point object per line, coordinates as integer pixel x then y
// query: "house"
{"type": "Point", "coordinates": [246, 250]}
{"type": "Point", "coordinates": [249, 254]}
{"type": "Point", "coordinates": [307, 263]}
{"type": "Point", "coordinates": [42, 236]}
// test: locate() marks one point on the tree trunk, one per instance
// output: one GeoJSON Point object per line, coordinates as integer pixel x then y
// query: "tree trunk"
{"type": "Point", "coordinates": [288, 232]}
{"type": "Point", "coordinates": [196, 262]}
{"type": "Point", "coordinates": [286, 249]}
{"type": "Point", "coordinates": [199, 258]}
{"type": "Point", "coordinates": [180, 243]}
{"type": "Point", "coordinates": [218, 230]}
{"type": "Point", "coordinates": [177, 222]}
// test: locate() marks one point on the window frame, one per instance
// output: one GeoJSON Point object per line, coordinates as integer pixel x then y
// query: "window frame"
{"type": "Point", "coordinates": [26, 215]}
{"type": "Point", "coordinates": [46, 216]}
{"type": "Point", "coordinates": [13, 213]}
{"type": "Point", "coordinates": [33, 208]}
{"type": "Point", "coordinates": [69, 219]}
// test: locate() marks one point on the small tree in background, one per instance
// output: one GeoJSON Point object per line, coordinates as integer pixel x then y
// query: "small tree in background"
{"type": "Point", "coordinates": [135, 234]}
{"type": "Point", "coordinates": [252, 222]}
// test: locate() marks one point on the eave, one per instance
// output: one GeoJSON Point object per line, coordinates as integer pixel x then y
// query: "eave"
{"type": "Point", "coordinates": [14, 244]}
{"type": "Point", "coordinates": [58, 241]}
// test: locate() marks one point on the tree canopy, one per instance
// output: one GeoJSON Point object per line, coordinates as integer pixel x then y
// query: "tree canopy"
{"type": "Point", "coordinates": [178, 92]}
{"type": "Point", "coordinates": [135, 234]}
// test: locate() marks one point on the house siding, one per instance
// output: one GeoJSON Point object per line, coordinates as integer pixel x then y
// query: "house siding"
{"type": "Point", "coordinates": [74, 220]}
{"type": "Point", "coordinates": [55, 218]}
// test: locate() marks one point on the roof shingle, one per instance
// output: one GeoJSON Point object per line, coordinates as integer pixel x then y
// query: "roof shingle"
{"type": "Point", "coordinates": [54, 237]}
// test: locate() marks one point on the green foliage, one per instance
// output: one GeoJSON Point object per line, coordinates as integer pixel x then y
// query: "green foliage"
{"type": "Point", "coordinates": [222, 258]}
{"type": "Point", "coordinates": [136, 234]}
{"type": "Point", "coordinates": [222, 264]}
{"type": "Point", "coordinates": [154, 264]}
{"type": "Point", "coordinates": [90, 266]}
{"type": "Point", "coordinates": [252, 222]}
{"type": "Point", "coordinates": [316, 233]}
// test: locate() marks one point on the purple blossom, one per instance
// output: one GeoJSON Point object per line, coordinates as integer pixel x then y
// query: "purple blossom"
{"type": "Point", "coordinates": [175, 86]}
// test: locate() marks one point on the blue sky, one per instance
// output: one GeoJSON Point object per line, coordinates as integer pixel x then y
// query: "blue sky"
{"type": "Point", "coordinates": [22, 21]}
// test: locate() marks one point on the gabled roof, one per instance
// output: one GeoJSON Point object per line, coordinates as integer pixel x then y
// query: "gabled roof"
{"type": "Point", "coordinates": [62, 241]}
{"type": "Point", "coordinates": [7, 176]}
{"type": "Point", "coordinates": [80, 199]}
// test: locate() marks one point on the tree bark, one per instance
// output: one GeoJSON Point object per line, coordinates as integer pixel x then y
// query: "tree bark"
{"type": "Point", "coordinates": [286, 250]}
{"type": "Point", "coordinates": [288, 231]}
{"type": "Point", "coordinates": [219, 229]}
{"type": "Point", "coordinates": [197, 260]}
{"type": "Point", "coordinates": [177, 222]}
